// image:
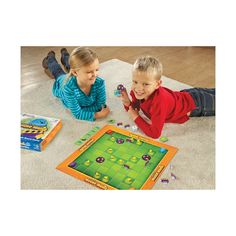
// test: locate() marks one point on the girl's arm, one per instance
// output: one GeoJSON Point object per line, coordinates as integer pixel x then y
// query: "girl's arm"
{"type": "Point", "coordinates": [100, 95]}
{"type": "Point", "coordinates": [75, 108]}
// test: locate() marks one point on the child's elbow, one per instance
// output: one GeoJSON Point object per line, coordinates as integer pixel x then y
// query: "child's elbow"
{"type": "Point", "coordinates": [155, 136]}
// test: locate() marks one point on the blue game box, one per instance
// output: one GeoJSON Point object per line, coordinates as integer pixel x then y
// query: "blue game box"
{"type": "Point", "coordinates": [38, 131]}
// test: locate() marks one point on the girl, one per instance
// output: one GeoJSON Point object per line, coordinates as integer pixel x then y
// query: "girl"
{"type": "Point", "coordinates": [81, 90]}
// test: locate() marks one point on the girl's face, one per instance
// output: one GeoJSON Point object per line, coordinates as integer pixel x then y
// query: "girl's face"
{"type": "Point", "coordinates": [144, 84]}
{"type": "Point", "coordinates": [86, 75]}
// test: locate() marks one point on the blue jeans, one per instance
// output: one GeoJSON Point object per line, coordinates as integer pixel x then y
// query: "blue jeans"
{"type": "Point", "coordinates": [65, 60]}
{"type": "Point", "coordinates": [54, 67]}
{"type": "Point", "coordinates": [204, 99]}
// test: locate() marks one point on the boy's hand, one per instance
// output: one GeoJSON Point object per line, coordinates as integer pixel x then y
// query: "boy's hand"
{"type": "Point", "coordinates": [125, 98]}
{"type": "Point", "coordinates": [133, 113]}
{"type": "Point", "coordinates": [103, 113]}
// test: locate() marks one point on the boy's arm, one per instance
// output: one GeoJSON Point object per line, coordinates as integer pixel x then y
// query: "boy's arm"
{"type": "Point", "coordinates": [127, 103]}
{"type": "Point", "coordinates": [158, 117]}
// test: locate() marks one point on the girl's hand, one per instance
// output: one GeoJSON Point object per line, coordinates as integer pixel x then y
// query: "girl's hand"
{"type": "Point", "coordinates": [133, 113]}
{"type": "Point", "coordinates": [103, 113]}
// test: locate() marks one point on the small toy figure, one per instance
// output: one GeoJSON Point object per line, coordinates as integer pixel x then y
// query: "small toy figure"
{"type": "Point", "coordinates": [118, 90]}
{"type": "Point", "coordinates": [120, 87]}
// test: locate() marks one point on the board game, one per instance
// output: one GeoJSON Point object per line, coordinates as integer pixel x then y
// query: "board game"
{"type": "Point", "coordinates": [37, 131]}
{"type": "Point", "coordinates": [115, 158]}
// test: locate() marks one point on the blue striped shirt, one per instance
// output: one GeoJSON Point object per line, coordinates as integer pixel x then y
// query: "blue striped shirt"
{"type": "Point", "coordinates": [82, 106]}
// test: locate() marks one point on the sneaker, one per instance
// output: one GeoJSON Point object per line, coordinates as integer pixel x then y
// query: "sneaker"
{"type": "Point", "coordinates": [64, 53]}
{"type": "Point", "coordinates": [45, 60]}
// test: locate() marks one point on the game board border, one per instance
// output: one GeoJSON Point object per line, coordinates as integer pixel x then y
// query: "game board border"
{"type": "Point", "coordinates": [151, 180]}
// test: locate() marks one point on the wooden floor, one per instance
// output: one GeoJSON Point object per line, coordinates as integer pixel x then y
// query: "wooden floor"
{"type": "Point", "coordinates": [191, 65]}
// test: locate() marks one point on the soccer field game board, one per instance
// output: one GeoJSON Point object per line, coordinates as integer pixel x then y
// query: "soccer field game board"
{"type": "Point", "coordinates": [115, 158]}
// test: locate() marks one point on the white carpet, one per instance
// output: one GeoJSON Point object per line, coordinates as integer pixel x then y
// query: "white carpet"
{"type": "Point", "coordinates": [194, 163]}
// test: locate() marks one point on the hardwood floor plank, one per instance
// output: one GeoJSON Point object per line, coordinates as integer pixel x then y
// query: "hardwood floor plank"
{"type": "Point", "coordinates": [192, 65]}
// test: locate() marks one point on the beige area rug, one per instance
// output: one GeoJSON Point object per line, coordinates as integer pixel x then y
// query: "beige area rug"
{"type": "Point", "coordinates": [194, 163]}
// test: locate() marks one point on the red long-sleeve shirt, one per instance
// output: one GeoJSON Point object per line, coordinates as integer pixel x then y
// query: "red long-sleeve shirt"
{"type": "Point", "coordinates": [163, 106]}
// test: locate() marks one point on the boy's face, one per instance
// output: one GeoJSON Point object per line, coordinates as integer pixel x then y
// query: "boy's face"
{"type": "Point", "coordinates": [86, 75]}
{"type": "Point", "coordinates": [144, 84]}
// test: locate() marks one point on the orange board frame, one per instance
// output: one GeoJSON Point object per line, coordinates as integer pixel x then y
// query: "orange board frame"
{"type": "Point", "coordinates": [151, 179]}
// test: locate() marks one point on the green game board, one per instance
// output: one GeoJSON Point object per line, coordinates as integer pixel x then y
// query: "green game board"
{"type": "Point", "coordinates": [123, 166]}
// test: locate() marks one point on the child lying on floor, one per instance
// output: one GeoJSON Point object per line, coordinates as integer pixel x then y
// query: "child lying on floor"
{"type": "Point", "coordinates": [80, 90]}
{"type": "Point", "coordinates": [162, 105]}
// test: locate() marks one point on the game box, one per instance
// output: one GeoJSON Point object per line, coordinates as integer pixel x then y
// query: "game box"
{"type": "Point", "coordinates": [115, 158]}
{"type": "Point", "coordinates": [37, 131]}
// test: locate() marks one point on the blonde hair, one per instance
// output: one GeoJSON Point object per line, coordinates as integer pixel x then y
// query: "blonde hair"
{"type": "Point", "coordinates": [150, 65]}
{"type": "Point", "coordinates": [80, 56]}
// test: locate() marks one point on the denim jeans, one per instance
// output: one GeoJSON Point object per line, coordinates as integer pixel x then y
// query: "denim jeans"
{"type": "Point", "coordinates": [54, 67]}
{"type": "Point", "coordinates": [65, 60]}
{"type": "Point", "coordinates": [204, 99]}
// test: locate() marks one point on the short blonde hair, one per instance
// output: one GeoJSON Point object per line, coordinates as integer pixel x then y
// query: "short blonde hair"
{"type": "Point", "coordinates": [150, 65]}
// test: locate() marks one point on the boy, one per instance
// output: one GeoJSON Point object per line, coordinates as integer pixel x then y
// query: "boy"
{"type": "Point", "coordinates": [160, 104]}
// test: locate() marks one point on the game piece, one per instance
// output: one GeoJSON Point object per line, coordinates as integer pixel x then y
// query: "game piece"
{"type": "Point", "coordinates": [134, 128]}
{"type": "Point", "coordinates": [113, 139]}
{"type": "Point", "coordinates": [112, 121]}
{"type": "Point", "coordinates": [126, 166]}
{"type": "Point", "coordinates": [72, 164]}
{"type": "Point", "coordinates": [128, 140]}
{"type": "Point", "coordinates": [146, 157]}
{"type": "Point", "coordinates": [163, 139]}
{"type": "Point", "coordinates": [105, 179]}
{"type": "Point", "coordinates": [110, 150]}
{"type": "Point", "coordinates": [87, 135]}
{"type": "Point", "coordinates": [139, 142]}
{"type": "Point", "coordinates": [165, 181]}
{"type": "Point", "coordinates": [87, 163]}
{"type": "Point", "coordinates": [100, 159]}
{"type": "Point", "coordinates": [120, 140]}
{"type": "Point", "coordinates": [121, 162]}
{"type": "Point", "coordinates": [120, 87]}
{"type": "Point", "coordinates": [112, 158]}
{"type": "Point", "coordinates": [109, 132]}
{"type": "Point", "coordinates": [79, 142]}
{"type": "Point", "coordinates": [162, 150]}
{"type": "Point", "coordinates": [117, 93]}
{"type": "Point", "coordinates": [126, 126]}
{"type": "Point", "coordinates": [150, 152]}
{"type": "Point", "coordinates": [128, 180]}
{"type": "Point", "coordinates": [146, 163]}
{"type": "Point", "coordinates": [119, 123]}
{"type": "Point", "coordinates": [118, 176]}
{"type": "Point", "coordinates": [133, 159]}
{"type": "Point", "coordinates": [97, 175]}
{"type": "Point", "coordinates": [118, 90]}
{"type": "Point", "coordinates": [172, 176]}
{"type": "Point", "coordinates": [38, 131]}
